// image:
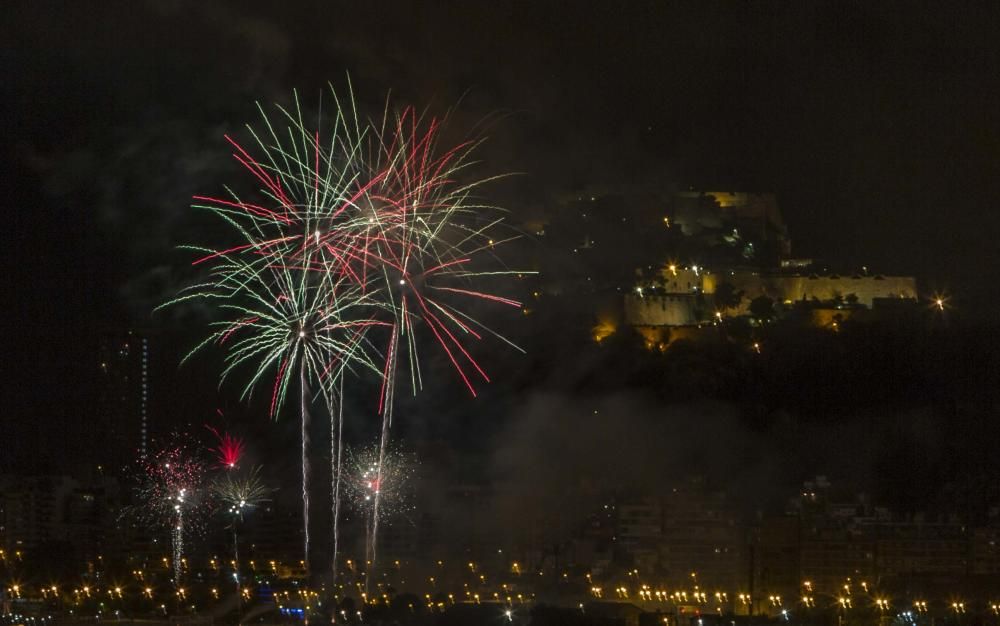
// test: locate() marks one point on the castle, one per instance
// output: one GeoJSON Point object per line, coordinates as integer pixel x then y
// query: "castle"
{"type": "Point", "coordinates": [748, 245]}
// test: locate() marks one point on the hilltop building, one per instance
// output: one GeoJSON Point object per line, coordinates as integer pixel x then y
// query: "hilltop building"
{"type": "Point", "coordinates": [752, 220]}
{"type": "Point", "coordinates": [748, 249]}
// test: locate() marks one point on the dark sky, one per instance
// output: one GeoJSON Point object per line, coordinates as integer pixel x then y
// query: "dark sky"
{"type": "Point", "coordinates": [877, 124]}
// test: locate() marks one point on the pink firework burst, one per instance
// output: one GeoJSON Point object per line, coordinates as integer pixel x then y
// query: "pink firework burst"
{"type": "Point", "coordinates": [229, 450]}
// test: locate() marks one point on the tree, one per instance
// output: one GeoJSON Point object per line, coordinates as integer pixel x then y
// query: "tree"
{"type": "Point", "coordinates": [726, 296]}
{"type": "Point", "coordinates": [762, 308]}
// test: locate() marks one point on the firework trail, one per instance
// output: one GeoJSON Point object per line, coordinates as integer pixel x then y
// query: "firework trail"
{"type": "Point", "coordinates": [172, 496]}
{"type": "Point", "coordinates": [352, 243]}
{"type": "Point", "coordinates": [292, 311]}
{"type": "Point", "coordinates": [239, 495]}
{"type": "Point", "coordinates": [336, 465]}
{"type": "Point", "coordinates": [423, 236]}
{"type": "Point", "coordinates": [380, 476]}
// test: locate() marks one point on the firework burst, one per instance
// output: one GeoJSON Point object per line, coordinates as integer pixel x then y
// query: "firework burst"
{"type": "Point", "coordinates": [357, 237]}
{"type": "Point", "coordinates": [229, 449]}
{"type": "Point", "coordinates": [172, 495]}
{"type": "Point", "coordinates": [292, 312]}
{"type": "Point", "coordinates": [374, 476]}
{"type": "Point", "coordinates": [238, 495]}
{"type": "Point", "coordinates": [426, 240]}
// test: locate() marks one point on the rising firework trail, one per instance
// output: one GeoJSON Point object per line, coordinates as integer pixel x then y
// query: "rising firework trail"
{"type": "Point", "coordinates": [374, 475]}
{"type": "Point", "coordinates": [238, 495]}
{"type": "Point", "coordinates": [172, 496]}
{"type": "Point", "coordinates": [359, 234]}
{"type": "Point", "coordinates": [336, 467]}
{"type": "Point", "coordinates": [293, 314]}
{"type": "Point", "coordinates": [427, 243]}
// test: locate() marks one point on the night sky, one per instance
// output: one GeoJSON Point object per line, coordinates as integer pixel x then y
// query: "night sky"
{"type": "Point", "coordinates": [876, 124]}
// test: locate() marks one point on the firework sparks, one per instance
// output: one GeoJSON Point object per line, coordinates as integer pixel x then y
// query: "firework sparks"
{"type": "Point", "coordinates": [172, 496]}
{"type": "Point", "coordinates": [424, 238]}
{"type": "Point", "coordinates": [365, 230]}
{"type": "Point", "coordinates": [292, 311]}
{"type": "Point", "coordinates": [374, 475]}
{"type": "Point", "coordinates": [229, 450]}
{"type": "Point", "coordinates": [239, 495]}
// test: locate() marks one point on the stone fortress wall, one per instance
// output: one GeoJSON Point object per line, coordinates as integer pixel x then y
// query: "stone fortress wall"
{"type": "Point", "coordinates": [784, 288]}
{"type": "Point", "coordinates": [683, 296]}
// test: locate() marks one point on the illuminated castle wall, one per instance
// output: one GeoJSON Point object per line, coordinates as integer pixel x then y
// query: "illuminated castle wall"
{"type": "Point", "coordinates": [682, 297]}
{"type": "Point", "coordinates": [792, 288]}
{"type": "Point", "coordinates": [733, 222]}
{"type": "Point", "coordinates": [662, 310]}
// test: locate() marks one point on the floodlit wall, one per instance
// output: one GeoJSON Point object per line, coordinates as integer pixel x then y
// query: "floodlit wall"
{"type": "Point", "coordinates": [661, 310]}
{"type": "Point", "coordinates": [822, 288]}
{"type": "Point", "coordinates": [680, 306]}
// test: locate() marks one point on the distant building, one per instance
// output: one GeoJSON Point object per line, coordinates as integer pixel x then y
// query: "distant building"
{"type": "Point", "coordinates": [702, 540]}
{"type": "Point", "coordinates": [905, 549]}
{"type": "Point", "coordinates": [984, 552]}
{"type": "Point", "coordinates": [738, 218]}
{"type": "Point", "coordinates": [36, 511]}
{"type": "Point", "coordinates": [33, 509]}
{"type": "Point", "coordinates": [777, 561]}
{"type": "Point", "coordinates": [122, 422]}
{"type": "Point", "coordinates": [640, 531]}
{"type": "Point", "coordinates": [746, 250]}
{"type": "Point", "coordinates": [786, 288]}
{"type": "Point", "coordinates": [831, 553]}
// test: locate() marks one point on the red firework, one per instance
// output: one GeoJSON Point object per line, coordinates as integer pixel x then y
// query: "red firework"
{"type": "Point", "coordinates": [230, 449]}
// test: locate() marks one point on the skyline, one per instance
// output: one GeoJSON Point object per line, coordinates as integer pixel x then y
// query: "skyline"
{"type": "Point", "coordinates": [875, 128]}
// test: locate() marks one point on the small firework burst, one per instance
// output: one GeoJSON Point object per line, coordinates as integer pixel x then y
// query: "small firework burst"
{"type": "Point", "coordinates": [229, 450]}
{"type": "Point", "coordinates": [392, 485]}
{"type": "Point", "coordinates": [172, 496]}
{"type": "Point", "coordinates": [239, 494]}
